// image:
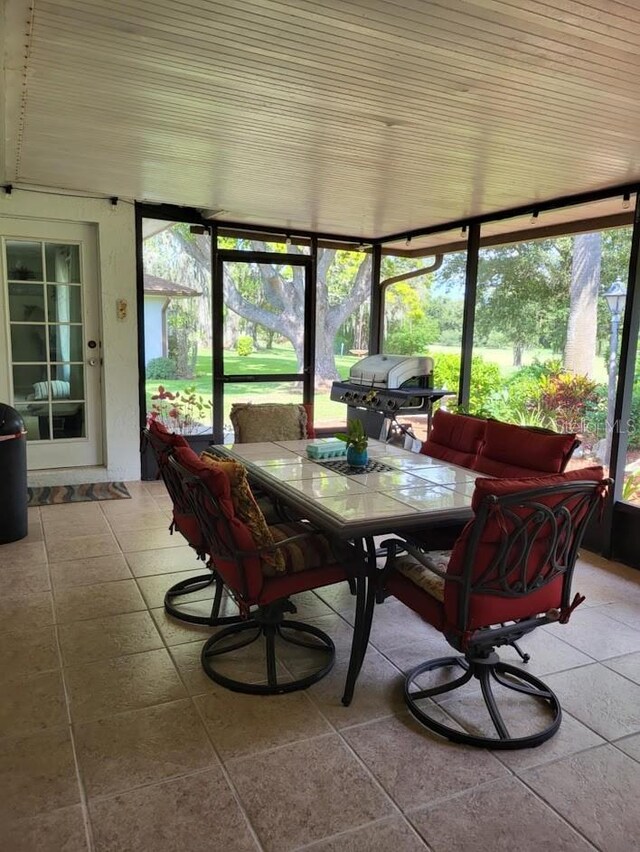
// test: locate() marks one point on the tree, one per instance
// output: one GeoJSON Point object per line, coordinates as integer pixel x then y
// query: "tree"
{"type": "Point", "coordinates": [580, 350]}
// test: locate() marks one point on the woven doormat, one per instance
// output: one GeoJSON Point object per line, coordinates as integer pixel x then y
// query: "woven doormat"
{"type": "Point", "coordinates": [48, 495]}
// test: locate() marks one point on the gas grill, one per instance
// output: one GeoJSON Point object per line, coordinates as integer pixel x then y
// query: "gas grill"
{"type": "Point", "coordinates": [382, 386]}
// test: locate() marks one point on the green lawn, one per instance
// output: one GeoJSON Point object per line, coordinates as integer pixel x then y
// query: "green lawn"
{"type": "Point", "coordinates": [282, 360]}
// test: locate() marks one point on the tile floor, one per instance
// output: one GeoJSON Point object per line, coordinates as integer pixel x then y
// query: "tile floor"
{"type": "Point", "coordinates": [112, 738]}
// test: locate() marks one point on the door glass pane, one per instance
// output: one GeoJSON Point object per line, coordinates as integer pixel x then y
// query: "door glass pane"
{"type": "Point", "coordinates": [65, 342]}
{"type": "Point", "coordinates": [26, 303]}
{"type": "Point", "coordinates": [63, 303]}
{"type": "Point", "coordinates": [264, 318]}
{"type": "Point", "coordinates": [63, 263]}
{"type": "Point", "coordinates": [24, 260]}
{"type": "Point", "coordinates": [67, 381]}
{"type": "Point", "coordinates": [36, 420]}
{"type": "Point", "coordinates": [28, 343]}
{"type": "Point", "coordinates": [30, 382]}
{"type": "Point", "coordinates": [68, 420]}
{"type": "Point", "coordinates": [344, 277]}
{"type": "Point", "coordinates": [177, 325]}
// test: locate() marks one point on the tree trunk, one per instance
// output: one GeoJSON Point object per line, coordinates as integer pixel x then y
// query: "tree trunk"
{"type": "Point", "coordinates": [518, 349]}
{"type": "Point", "coordinates": [580, 349]}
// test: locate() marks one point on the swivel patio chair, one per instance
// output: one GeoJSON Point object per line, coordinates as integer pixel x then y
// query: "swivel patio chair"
{"type": "Point", "coordinates": [163, 443]}
{"type": "Point", "coordinates": [509, 573]}
{"type": "Point", "coordinates": [262, 566]}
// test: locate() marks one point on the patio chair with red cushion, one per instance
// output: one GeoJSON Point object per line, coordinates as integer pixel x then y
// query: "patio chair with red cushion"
{"type": "Point", "coordinates": [509, 573]}
{"type": "Point", "coordinates": [262, 566]}
{"type": "Point", "coordinates": [163, 443]}
{"type": "Point", "coordinates": [455, 438]}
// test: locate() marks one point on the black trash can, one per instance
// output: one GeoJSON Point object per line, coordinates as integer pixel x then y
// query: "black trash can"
{"type": "Point", "coordinates": [14, 519]}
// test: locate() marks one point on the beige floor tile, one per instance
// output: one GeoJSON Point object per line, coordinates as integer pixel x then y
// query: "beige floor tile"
{"type": "Point", "coordinates": [153, 588]}
{"type": "Point", "coordinates": [113, 636]}
{"type": "Point", "coordinates": [306, 805]}
{"type": "Point", "coordinates": [630, 746]}
{"type": "Point", "coordinates": [415, 767]}
{"type": "Point", "coordinates": [121, 684]}
{"type": "Point", "coordinates": [394, 625]}
{"type": "Point", "coordinates": [600, 698]}
{"type": "Point", "coordinates": [605, 582]}
{"type": "Point", "coordinates": [175, 632]}
{"type": "Point", "coordinates": [58, 831]}
{"type": "Point", "coordinates": [81, 547]}
{"type": "Point", "coordinates": [628, 666]}
{"type": "Point", "coordinates": [147, 563]}
{"type": "Point", "coordinates": [33, 703]}
{"type": "Point", "coordinates": [30, 652]}
{"type": "Point", "coordinates": [37, 774]}
{"type": "Point", "coordinates": [594, 791]}
{"type": "Point", "coordinates": [139, 521]}
{"type": "Point", "coordinates": [597, 635]}
{"type": "Point", "coordinates": [23, 552]}
{"type": "Point", "coordinates": [23, 578]}
{"type": "Point", "coordinates": [20, 613]}
{"type": "Point", "coordinates": [247, 664]}
{"type": "Point", "coordinates": [148, 539]}
{"type": "Point", "coordinates": [61, 511]}
{"type": "Point", "coordinates": [430, 647]}
{"type": "Point", "coordinates": [61, 531]}
{"type": "Point", "coordinates": [300, 660]}
{"type": "Point", "coordinates": [138, 503]}
{"type": "Point", "coordinates": [392, 833]}
{"type": "Point", "coordinates": [338, 597]}
{"type": "Point", "coordinates": [571, 738]}
{"type": "Point", "coordinates": [88, 572]}
{"type": "Point", "coordinates": [142, 747]}
{"type": "Point", "coordinates": [628, 612]}
{"type": "Point", "coordinates": [308, 606]}
{"type": "Point", "coordinates": [497, 817]}
{"type": "Point", "coordinates": [379, 692]}
{"type": "Point", "coordinates": [80, 603]}
{"type": "Point", "coordinates": [240, 724]}
{"type": "Point", "coordinates": [548, 652]}
{"type": "Point", "coordinates": [197, 813]}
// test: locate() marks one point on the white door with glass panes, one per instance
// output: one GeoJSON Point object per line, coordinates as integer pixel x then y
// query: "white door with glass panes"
{"type": "Point", "coordinates": [50, 289]}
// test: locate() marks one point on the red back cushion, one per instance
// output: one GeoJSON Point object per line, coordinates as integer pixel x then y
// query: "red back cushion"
{"type": "Point", "coordinates": [243, 578]}
{"type": "Point", "coordinates": [510, 450]}
{"type": "Point", "coordinates": [308, 407]}
{"type": "Point", "coordinates": [488, 608]}
{"type": "Point", "coordinates": [455, 438]}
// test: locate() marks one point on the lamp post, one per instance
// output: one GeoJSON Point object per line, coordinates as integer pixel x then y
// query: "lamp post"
{"type": "Point", "coordinates": [615, 298]}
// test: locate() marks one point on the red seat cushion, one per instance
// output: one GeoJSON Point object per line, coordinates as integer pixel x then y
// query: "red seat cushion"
{"type": "Point", "coordinates": [510, 450]}
{"type": "Point", "coordinates": [455, 438]}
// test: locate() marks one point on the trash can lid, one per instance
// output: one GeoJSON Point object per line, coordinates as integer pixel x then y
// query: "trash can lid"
{"type": "Point", "coordinates": [10, 421]}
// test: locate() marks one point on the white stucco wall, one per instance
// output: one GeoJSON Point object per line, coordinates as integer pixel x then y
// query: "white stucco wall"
{"type": "Point", "coordinates": [116, 280]}
{"type": "Point", "coordinates": [153, 306]}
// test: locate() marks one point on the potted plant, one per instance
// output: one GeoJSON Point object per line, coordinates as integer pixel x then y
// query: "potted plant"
{"type": "Point", "coordinates": [356, 441]}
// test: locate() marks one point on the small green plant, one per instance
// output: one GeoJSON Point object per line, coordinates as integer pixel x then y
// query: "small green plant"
{"type": "Point", "coordinates": [355, 436]}
{"type": "Point", "coordinates": [161, 368]}
{"type": "Point", "coordinates": [244, 346]}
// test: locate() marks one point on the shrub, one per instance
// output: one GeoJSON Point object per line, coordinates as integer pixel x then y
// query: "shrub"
{"type": "Point", "coordinates": [161, 368]}
{"type": "Point", "coordinates": [412, 339]}
{"type": "Point", "coordinates": [244, 346]}
{"type": "Point", "coordinates": [486, 379]}
{"type": "Point", "coordinates": [566, 397]}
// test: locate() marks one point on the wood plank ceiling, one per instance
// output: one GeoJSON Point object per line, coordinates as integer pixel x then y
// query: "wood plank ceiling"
{"type": "Point", "coordinates": [365, 117]}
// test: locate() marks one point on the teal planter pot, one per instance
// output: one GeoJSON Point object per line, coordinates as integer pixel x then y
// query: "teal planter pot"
{"type": "Point", "coordinates": [357, 458]}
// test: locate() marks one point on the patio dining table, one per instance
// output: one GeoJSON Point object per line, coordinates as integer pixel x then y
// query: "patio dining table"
{"type": "Point", "coordinates": [399, 491]}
